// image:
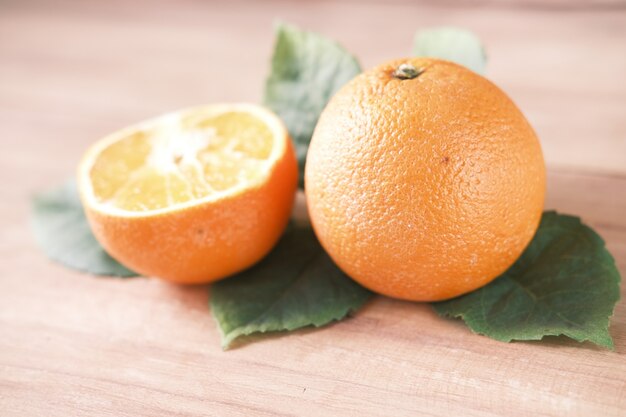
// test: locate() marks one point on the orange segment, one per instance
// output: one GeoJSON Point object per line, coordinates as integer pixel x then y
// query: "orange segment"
{"type": "Point", "coordinates": [191, 196]}
{"type": "Point", "coordinates": [117, 162]}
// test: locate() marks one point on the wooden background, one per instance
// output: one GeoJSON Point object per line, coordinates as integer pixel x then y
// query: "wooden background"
{"type": "Point", "coordinates": [74, 345]}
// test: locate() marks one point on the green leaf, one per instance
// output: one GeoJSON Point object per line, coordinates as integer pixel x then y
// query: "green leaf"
{"type": "Point", "coordinates": [565, 283]}
{"type": "Point", "coordinates": [297, 285]}
{"type": "Point", "coordinates": [452, 44]}
{"type": "Point", "coordinates": [307, 69]}
{"type": "Point", "coordinates": [62, 231]}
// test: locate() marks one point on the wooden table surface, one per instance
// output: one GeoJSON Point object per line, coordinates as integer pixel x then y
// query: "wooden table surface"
{"type": "Point", "coordinates": [75, 345]}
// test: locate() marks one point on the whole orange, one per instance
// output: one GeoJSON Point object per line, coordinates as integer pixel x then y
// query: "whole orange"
{"type": "Point", "coordinates": [423, 180]}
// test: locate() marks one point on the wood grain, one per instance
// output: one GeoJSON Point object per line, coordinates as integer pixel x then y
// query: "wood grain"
{"type": "Point", "coordinates": [70, 344]}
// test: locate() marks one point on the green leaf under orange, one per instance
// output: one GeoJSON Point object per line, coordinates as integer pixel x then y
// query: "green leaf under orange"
{"type": "Point", "coordinates": [565, 283]}
{"type": "Point", "coordinates": [297, 285]}
{"type": "Point", "coordinates": [63, 233]}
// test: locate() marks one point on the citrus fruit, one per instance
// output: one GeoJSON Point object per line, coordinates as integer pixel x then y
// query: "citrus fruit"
{"type": "Point", "coordinates": [423, 180]}
{"type": "Point", "coordinates": [192, 196]}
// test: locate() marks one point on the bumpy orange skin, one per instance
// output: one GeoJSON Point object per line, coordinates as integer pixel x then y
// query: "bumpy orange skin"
{"type": "Point", "coordinates": [207, 242]}
{"type": "Point", "coordinates": [427, 188]}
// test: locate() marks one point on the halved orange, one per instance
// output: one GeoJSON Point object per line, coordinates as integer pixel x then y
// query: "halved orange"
{"type": "Point", "coordinates": [192, 196]}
